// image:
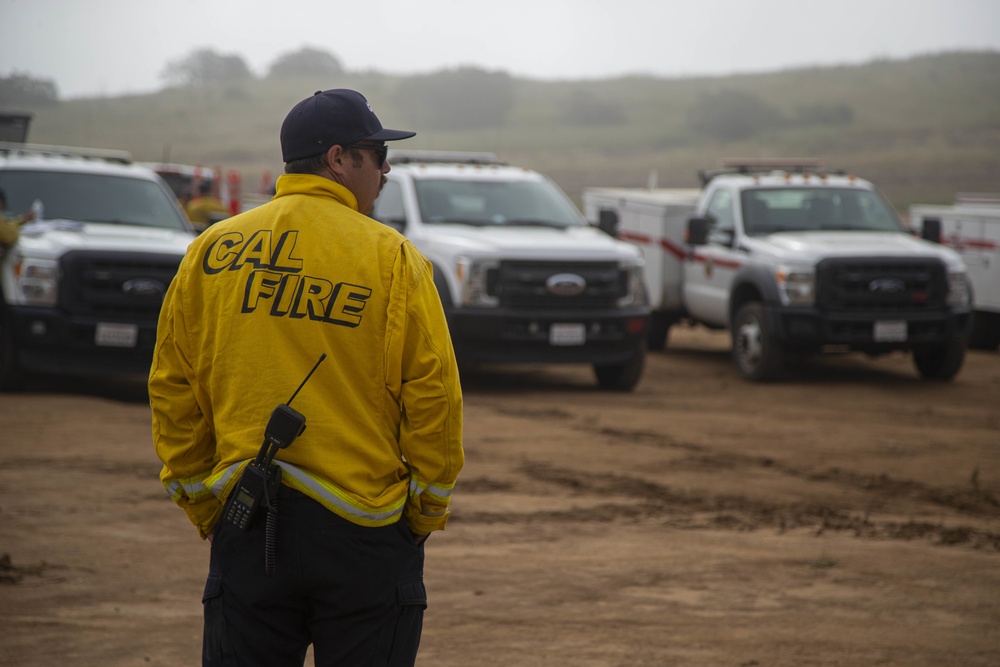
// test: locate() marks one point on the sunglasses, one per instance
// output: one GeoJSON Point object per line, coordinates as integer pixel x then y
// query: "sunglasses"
{"type": "Point", "coordinates": [381, 151]}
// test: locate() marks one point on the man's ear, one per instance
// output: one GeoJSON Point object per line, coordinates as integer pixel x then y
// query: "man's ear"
{"type": "Point", "coordinates": [334, 153]}
{"type": "Point", "coordinates": [335, 156]}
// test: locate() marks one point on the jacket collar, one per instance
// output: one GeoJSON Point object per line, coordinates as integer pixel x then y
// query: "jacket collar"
{"type": "Point", "coordinates": [317, 186]}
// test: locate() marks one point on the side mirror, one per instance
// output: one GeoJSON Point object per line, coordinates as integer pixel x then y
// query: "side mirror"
{"type": "Point", "coordinates": [931, 230]}
{"type": "Point", "coordinates": [607, 222]}
{"type": "Point", "coordinates": [697, 230]}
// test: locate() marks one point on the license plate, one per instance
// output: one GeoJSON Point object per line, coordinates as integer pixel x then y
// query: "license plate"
{"type": "Point", "coordinates": [890, 331]}
{"type": "Point", "coordinates": [116, 335]}
{"type": "Point", "coordinates": [567, 334]}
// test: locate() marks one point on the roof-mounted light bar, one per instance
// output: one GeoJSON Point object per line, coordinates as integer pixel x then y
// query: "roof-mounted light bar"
{"type": "Point", "coordinates": [789, 163]}
{"type": "Point", "coordinates": [105, 155]}
{"type": "Point", "coordinates": [441, 157]}
{"type": "Point", "coordinates": [799, 165]}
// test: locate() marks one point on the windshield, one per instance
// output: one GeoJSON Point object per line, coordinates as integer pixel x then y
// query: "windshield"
{"type": "Point", "coordinates": [524, 203]}
{"type": "Point", "coordinates": [770, 210]}
{"type": "Point", "coordinates": [92, 198]}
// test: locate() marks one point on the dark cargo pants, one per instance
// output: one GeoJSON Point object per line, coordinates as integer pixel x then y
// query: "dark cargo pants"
{"type": "Point", "coordinates": [355, 593]}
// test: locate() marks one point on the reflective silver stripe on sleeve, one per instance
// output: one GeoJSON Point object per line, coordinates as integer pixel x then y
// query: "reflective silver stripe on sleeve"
{"type": "Point", "coordinates": [174, 489]}
{"type": "Point", "coordinates": [440, 492]}
{"type": "Point", "coordinates": [193, 487]}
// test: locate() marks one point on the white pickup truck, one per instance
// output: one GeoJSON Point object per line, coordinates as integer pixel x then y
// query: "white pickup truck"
{"type": "Point", "coordinates": [523, 278]}
{"type": "Point", "coordinates": [792, 259]}
{"type": "Point", "coordinates": [83, 284]}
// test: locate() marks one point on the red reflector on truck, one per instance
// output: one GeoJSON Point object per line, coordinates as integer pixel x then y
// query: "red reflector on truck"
{"type": "Point", "coordinates": [635, 325]}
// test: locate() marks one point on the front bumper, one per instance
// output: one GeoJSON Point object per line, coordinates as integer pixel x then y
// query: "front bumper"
{"type": "Point", "coordinates": [48, 340]}
{"type": "Point", "coordinates": [526, 336]}
{"type": "Point", "coordinates": [810, 328]}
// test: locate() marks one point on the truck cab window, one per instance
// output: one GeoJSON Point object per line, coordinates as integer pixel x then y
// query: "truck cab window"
{"type": "Point", "coordinates": [720, 209]}
{"type": "Point", "coordinates": [389, 207]}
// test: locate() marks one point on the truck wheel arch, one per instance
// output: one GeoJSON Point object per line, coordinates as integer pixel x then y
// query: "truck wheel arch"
{"type": "Point", "coordinates": [444, 291]}
{"type": "Point", "coordinates": [752, 283]}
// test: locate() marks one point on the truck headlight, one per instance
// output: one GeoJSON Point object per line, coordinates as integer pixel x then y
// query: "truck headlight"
{"type": "Point", "coordinates": [796, 286]}
{"type": "Point", "coordinates": [959, 295]}
{"type": "Point", "coordinates": [36, 281]}
{"type": "Point", "coordinates": [473, 276]}
{"type": "Point", "coordinates": [635, 291]}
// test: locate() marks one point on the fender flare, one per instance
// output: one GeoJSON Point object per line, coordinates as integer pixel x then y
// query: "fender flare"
{"type": "Point", "coordinates": [751, 283]}
{"type": "Point", "coordinates": [442, 282]}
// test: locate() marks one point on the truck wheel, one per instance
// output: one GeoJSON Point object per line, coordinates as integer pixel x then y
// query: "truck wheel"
{"type": "Point", "coordinates": [940, 363]}
{"type": "Point", "coordinates": [985, 331]}
{"type": "Point", "coordinates": [756, 350]}
{"type": "Point", "coordinates": [11, 376]}
{"type": "Point", "coordinates": [659, 330]}
{"type": "Point", "coordinates": [621, 377]}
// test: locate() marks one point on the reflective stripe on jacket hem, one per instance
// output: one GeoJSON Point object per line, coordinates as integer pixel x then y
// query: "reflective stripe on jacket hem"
{"type": "Point", "coordinates": [331, 497]}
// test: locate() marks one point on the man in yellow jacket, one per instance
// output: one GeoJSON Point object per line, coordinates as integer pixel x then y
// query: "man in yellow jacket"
{"type": "Point", "coordinates": [205, 208]}
{"type": "Point", "coordinates": [257, 301]}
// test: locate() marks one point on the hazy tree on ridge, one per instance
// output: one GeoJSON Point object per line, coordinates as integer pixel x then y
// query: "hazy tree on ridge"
{"type": "Point", "coordinates": [19, 89]}
{"type": "Point", "coordinates": [205, 67]}
{"type": "Point", "coordinates": [306, 61]}
{"type": "Point", "coordinates": [732, 115]}
{"type": "Point", "coordinates": [461, 99]}
{"type": "Point", "coordinates": [586, 108]}
{"type": "Point", "coordinates": [825, 114]}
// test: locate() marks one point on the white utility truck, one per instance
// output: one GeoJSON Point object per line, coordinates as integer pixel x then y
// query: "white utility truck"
{"type": "Point", "coordinates": [83, 283]}
{"type": "Point", "coordinates": [523, 278]}
{"type": "Point", "coordinates": [972, 227]}
{"type": "Point", "coordinates": [792, 259]}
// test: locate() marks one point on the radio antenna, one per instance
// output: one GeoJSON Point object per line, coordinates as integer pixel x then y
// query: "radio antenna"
{"type": "Point", "coordinates": [315, 366]}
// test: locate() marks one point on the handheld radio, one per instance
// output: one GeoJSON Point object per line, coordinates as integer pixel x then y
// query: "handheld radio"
{"type": "Point", "coordinates": [261, 478]}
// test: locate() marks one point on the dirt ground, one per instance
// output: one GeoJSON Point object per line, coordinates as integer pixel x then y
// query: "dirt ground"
{"type": "Point", "coordinates": [848, 515]}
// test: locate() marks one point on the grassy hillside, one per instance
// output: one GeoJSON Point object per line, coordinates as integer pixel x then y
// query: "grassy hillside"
{"type": "Point", "coordinates": [922, 129]}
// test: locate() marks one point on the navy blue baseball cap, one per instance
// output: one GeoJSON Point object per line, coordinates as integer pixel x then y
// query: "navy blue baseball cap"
{"type": "Point", "coordinates": [330, 118]}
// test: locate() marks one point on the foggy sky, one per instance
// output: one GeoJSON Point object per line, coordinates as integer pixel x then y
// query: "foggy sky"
{"type": "Point", "coordinates": [113, 47]}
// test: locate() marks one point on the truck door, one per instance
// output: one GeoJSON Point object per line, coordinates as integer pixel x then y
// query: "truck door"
{"type": "Point", "coordinates": [709, 271]}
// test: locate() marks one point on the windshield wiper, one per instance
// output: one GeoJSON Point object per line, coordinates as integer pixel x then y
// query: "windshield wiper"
{"type": "Point", "coordinates": [119, 221]}
{"type": "Point", "coordinates": [531, 222]}
{"type": "Point", "coordinates": [457, 221]}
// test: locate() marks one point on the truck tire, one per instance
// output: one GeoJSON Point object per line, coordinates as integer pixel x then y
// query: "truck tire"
{"type": "Point", "coordinates": [659, 330]}
{"type": "Point", "coordinates": [941, 362]}
{"type": "Point", "coordinates": [11, 376]}
{"type": "Point", "coordinates": [757, 351]}
{"type": "Point", "coordinates": [621, 377]}
{"type": "Point", "coordinates": [985, 331]}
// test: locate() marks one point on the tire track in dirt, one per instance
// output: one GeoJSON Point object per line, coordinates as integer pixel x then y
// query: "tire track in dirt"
{"type": "Point", "coordinates": [686, 510]}
{"type": "Point", "coordinates": [968, 501]}
{"type": "Point", "coordinates": [694, 510]}
{"type": "Point", "coordinates": [98, 466]}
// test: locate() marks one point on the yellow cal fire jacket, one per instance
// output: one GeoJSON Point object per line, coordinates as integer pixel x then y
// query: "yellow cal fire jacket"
{"type": "Point", "coordinates": [256, 301]}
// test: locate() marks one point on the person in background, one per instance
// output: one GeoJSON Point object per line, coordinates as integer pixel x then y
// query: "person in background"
{"type": "Point", "coordinates": [205, 208]}
{"type": "Point", "coordinates": [10, 227]}
{"type": "Point", "coordinates": [256, 303]}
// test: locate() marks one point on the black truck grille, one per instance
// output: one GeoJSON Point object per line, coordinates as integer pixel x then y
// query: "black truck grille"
{"type": "Point", "coordinates": [883, 285]}
{"type": "Point", "coordinates": [524, 284]}
{"type": "Point", "coordinates": [120, 286]}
